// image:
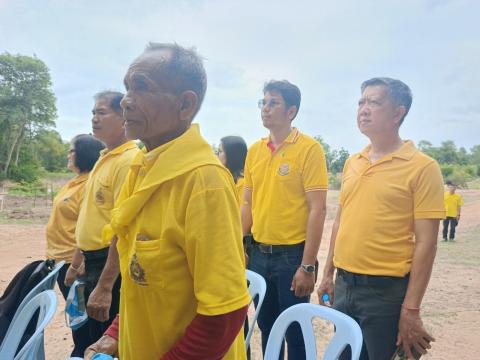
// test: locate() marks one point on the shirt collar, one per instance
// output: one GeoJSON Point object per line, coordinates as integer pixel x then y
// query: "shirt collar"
{"type": "Point", "coordinates": [291, 138]}
{"type": "Point", "coordinates": [406, 151]}
{"type": "Point", "coordinates": [119, 149]}
{"type": "Point", "coordinates": [78, 179]}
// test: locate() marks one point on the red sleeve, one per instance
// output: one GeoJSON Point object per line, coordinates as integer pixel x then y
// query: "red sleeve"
{"type": "Point", "coordinates": [112, 330]}
{"type": "Point", "coordinates": [208, 337]}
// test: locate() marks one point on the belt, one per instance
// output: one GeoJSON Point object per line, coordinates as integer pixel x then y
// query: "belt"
{"type": "Point", "coordinates": [371, 280]}
{"type": "Point", "coordinates": [271, 249]}
{"type": "Point", "coordinates": [92, 255]}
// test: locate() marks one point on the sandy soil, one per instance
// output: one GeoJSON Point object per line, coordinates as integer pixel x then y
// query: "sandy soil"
{"type": "Point", "coordinates": [451, 308]}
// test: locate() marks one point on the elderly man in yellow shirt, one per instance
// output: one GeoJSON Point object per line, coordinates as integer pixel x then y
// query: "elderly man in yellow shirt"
{"type": "Point", "coordinates": [101, 191]}
{"type": "Point", "coordinates": [384, 236]}
{"type": "Point", "coordinates": [453, 206]}
{"type": "Point", "coordinates": [184, 293]}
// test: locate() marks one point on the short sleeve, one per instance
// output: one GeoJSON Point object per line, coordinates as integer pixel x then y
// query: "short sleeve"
{"type": "Point", "coordinates": [342, 192]}
{"type": "Point", "coordinates": [315, 176]}
{"type": "Point", "coordinates": [428, 193]}
{"type": "Point", "coordinates": [214, 251]}
{"type": "Point", "coordinates": [246, 171]}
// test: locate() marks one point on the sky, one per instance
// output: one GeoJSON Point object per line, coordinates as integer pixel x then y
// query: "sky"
{"type": "Point", "coordinates": [327, 48]}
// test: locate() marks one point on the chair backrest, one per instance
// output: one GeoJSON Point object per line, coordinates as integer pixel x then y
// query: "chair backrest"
{"type": "Point", "coordinates": [46, 303]}
{"type": "Point", "coordinates": [257, 287]}
{"type": "Point", "coordinates": [347, 332]}
{"type": "Point", "coordinates": [47, 283]}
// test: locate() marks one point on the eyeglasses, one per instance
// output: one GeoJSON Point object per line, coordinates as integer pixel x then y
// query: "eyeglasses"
{"type": "Point", "coordinates": [271, 104]}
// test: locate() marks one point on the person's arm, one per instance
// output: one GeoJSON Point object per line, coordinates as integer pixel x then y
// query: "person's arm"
{"type": "Point", "coordinates": [75, 269]}
{"type": "Point", "coordinates": [107, 344]}
{"type": "Point", "coordinates": [100, 299]}
{"type": "Point", "coordinates": [208, 337]}
{"type": "Point", "coordinates": [246, 211]}
{"type": "Point", "coordinates": [411, 332]}
{"type": "Point", "coordinates": [303, 283]}
{"type": "Point", "coordinates": [327, 285]}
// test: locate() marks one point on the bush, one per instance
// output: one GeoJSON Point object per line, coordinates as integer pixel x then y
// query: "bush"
{"type": "Point", "coordinates": [458, 174]}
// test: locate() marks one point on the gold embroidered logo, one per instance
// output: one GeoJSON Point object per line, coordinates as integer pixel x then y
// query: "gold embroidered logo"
{"type": "Point", "coordinates": [136, 272]}
{"type": "Point", "coordinates": [283, 170]}
{"type": "Point", "coordinates": [99, 197]}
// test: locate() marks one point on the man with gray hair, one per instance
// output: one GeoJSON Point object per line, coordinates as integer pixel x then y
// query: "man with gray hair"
{"type": "Point", "coordinates": [384, 238]}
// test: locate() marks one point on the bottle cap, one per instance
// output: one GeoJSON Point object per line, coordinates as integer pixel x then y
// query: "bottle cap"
{"type": "Point", "coordinates": [325, 297]}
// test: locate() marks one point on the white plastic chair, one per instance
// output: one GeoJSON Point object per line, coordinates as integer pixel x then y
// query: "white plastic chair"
{"type": "Point", "coordinates": [47, 283]}
{"type": "Point", "coordinates": [257, 287]}
{"type": "Point", "coordinates": [46, 302]}
{"type": "Point", "coordinates": [347, 332]}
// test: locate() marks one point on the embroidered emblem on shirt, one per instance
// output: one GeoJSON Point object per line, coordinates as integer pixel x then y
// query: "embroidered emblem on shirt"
{"type": "Point", "coordinates": [99, 197]}
{"type": "Point", "coordinates": [136, 272]}
{"type": "Point", "coordinates": [283, 170]}
{"type": "Point", "coordinates": [142, 237]}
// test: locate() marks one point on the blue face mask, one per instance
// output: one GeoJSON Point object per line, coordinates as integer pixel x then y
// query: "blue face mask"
{"type": "Point", "coordinates": [75, 311]}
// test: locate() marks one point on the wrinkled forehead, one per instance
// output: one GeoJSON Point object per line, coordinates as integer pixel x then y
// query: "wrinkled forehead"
{"type": "Point", "coordinates": [149, 64]}
{"type": "Point", "coordinates": [375, 91]}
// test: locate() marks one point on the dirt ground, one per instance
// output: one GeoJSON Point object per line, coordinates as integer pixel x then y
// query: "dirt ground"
{"type": "Point", "coordinates": [451, 308]}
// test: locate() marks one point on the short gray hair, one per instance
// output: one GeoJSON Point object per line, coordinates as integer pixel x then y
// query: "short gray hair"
{"type": "Point", "coordinates": [398, 91]}
{"type": "Point", "coordinates": [113, 98]}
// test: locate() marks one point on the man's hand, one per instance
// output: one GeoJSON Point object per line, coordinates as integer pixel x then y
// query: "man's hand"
{"type": "Point", "coordinates": [72, 274]}
{"type": "Point", "coordinates": [303, 283]}
{"type": "Point", "coordinates": [411, 333]}
{"type": "Point", "coordinates": [106, 344]}
{"type": "Point", "coordinates": [99, 302]}
{"type": "Point", "coordinates": [326, 287]}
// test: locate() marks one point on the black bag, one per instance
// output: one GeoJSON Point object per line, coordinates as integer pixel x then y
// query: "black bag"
{"type": "Point", "coordinates": [25, 280]}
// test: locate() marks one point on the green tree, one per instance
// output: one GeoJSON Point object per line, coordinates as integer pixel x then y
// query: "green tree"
{"type": "Point", "coordinates": [335, 158]}
{"type": "Point", "coordinates": [27, 106]}
{"type": "Point", "coordinates": [50, 150]}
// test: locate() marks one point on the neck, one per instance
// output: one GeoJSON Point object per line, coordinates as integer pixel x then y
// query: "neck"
{"type": "Point", "coordinates": [384, 145]}
{"type": "Point", "coordinates": [278, 135]}
{"type": "Point", "coordinates": [153, 143]}
{"type": "Point", "coordinates": [116, 143]}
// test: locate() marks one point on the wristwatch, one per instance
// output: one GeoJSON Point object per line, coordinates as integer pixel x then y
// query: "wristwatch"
{"type": "Point", "coordinates": [308, 268]}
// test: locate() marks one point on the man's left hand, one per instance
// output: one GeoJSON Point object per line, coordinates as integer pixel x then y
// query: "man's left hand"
{"type": "Point", "coordinates": [303, 283]}
{"type": "Point", "coordinates": [99, 302]}
{"type": "Point", "coordinates": [412, 334]}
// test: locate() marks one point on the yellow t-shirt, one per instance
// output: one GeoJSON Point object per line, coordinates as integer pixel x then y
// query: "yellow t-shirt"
{"type": "Point", "coordinates": [180, 247]}
{"type": "Point", "coordinates": [278, 182]}
{"type": "Point", "coordinates": [101, 190]}
{"type": "Point", "coordinates": [61, 225]}
{"type": "Point", "coordinates": [239, 186]}
{"type": "Point", "coordinates": [380, 203]}
{"type": "Point", "coordinates": [452, 203]}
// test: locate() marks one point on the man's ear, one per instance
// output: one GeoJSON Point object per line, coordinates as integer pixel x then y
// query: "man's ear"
{"type": "Point", "coordinates": [188, 105]}
{"type": "Point", "coordinates": [291, 112]}
{"type": "Point", "coordinates": [400, 112]}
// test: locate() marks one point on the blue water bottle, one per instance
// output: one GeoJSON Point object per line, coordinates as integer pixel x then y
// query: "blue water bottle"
{"type": "Point", "coordinates": [101, 356]}
{"type": "Point", "coordinates": [326, 300]}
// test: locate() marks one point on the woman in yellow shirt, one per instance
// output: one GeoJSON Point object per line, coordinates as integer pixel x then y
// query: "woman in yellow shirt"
{"type": "Point", "coordinates": [60, 232]}
{"type": "Point", "coordinates": [232, 152]}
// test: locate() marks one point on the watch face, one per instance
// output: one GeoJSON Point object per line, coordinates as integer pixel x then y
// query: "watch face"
{"type": "Point", "coordinates": [309, 268]}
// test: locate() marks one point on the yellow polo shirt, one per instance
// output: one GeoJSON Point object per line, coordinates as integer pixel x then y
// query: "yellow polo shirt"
{"type": "Point", "coordinates": [452, 203]}
{"type": "Point", "coordinates": [380, 203]}
{"type": "Point", "coordinates": [101, 191]}
{"type": "Point", "coordinates": [180, 247]}
{"type": "Point", "coordinates": [239, 186]}
{"type": "Point", "coordinates": [278, 182]}
{"type": "Point", "coordinates": [61, 225]}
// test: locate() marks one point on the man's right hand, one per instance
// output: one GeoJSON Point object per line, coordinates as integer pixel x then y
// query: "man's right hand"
{"type": "Point", "coordinates": [106, 345]}
{"type": "Point", "coordinates": [72, 274]}
{"type": "Point", "coordinates": [326, 287]}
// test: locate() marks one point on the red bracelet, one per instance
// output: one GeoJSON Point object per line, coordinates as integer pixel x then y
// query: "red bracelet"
{"type": "Point", "coordinates": [409, 308]}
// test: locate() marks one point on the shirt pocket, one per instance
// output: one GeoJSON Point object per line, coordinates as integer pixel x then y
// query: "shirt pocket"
{"type": "Point", "coordinates": [145, 264]}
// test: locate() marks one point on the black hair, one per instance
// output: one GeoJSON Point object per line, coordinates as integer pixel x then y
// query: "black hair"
{"type": "Point", "coordinates": [113, 97]}
{"type": "Point", "coordinates": [183, 71]}
{"type": "Point", "coordinates": [398, 91]}
{"type": "Point", "coordinates": [87, 151]}
{"type": "Point", "coordinates": [290, 93]}
{"type": "Point", "coordinates": [235, 150]}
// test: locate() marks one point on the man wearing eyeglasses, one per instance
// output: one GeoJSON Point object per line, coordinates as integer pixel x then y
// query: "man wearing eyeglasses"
{"type": "Point", "coordinates": [284, 209]}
